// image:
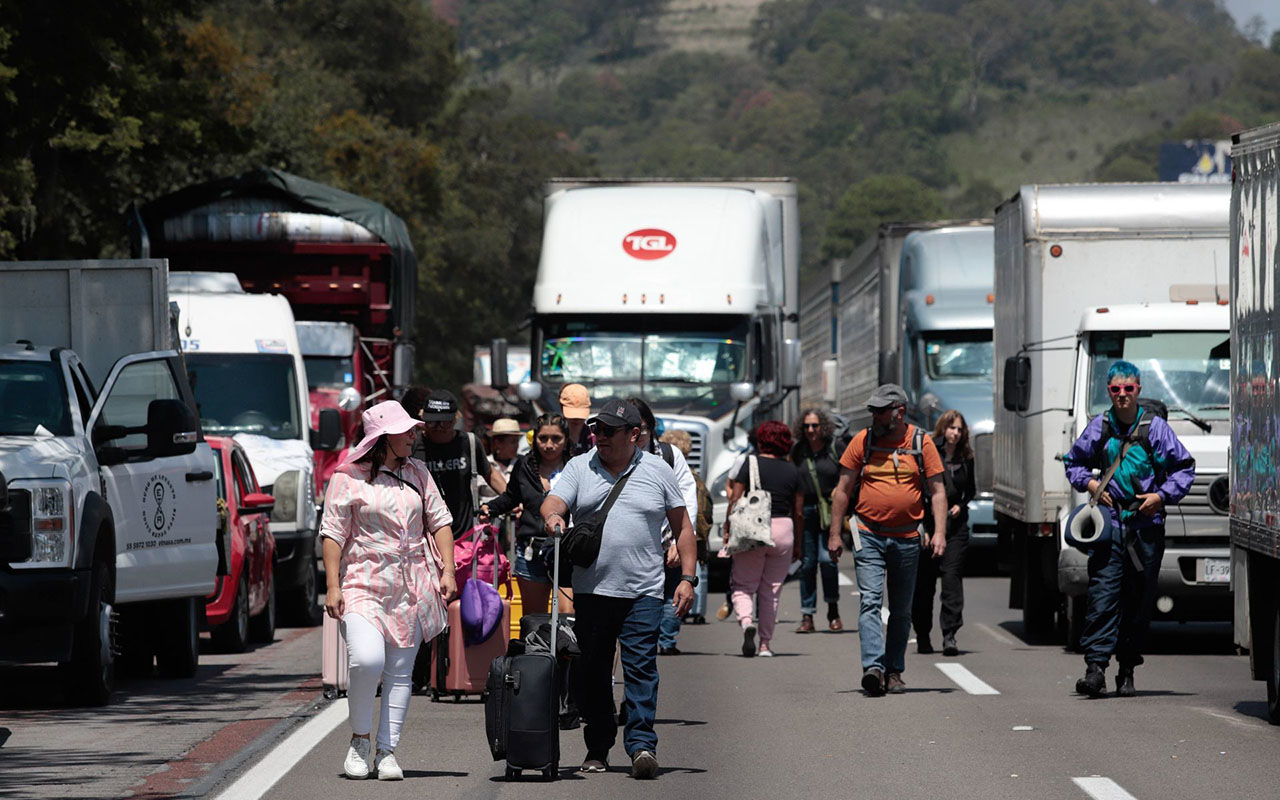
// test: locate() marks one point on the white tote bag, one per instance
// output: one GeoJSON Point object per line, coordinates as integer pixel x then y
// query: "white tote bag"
{"type": "Point", "coordinates": [749, 522]}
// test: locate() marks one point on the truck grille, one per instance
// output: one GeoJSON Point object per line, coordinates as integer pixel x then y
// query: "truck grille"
{"type": "Point", "coordinates": [698, 435]}
{"type": "Point", "coordinates": [985, 477]}
{"type": "Point", "coordinates": [1208, 496]}
{"type": "Point", "coordinates": [15, 527]}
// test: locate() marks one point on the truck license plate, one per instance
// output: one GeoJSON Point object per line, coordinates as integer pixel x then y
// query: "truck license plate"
{"type": "Point", "coordinates": [1213, 570]}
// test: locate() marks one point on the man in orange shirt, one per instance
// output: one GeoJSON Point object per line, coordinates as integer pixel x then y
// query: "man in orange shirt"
{"type": "Point", "coordinates": [887, 467]}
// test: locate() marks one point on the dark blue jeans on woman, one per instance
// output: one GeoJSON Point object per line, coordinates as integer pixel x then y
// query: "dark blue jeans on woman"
{"type": "Point", "coordinates": [816, 558]}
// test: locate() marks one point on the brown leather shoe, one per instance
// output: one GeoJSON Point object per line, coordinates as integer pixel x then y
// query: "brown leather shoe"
{"type": "Point", "coordinates": [835, 624]}
{"type": "Point", "coordinates": [806, 624]}
{"type": "Point", "coordinates": [893, 683]}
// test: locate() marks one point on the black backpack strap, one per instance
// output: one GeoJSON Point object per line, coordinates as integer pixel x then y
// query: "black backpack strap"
{"type": "Point", "coordinates": [668, 455]}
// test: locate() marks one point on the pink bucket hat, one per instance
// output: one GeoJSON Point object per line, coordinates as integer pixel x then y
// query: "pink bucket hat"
{"type": "Point", "coordinates": [386, 417]}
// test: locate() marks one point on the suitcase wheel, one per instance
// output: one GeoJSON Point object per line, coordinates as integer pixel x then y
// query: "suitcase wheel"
{"type": "Point", "coordinates": [512, 772]}
{"type": "Point", "coordinates": [435, 696]}
{"type": "Point", "coordinates": [457, 697]}
{"type": "Point", "coordinates": [330, 692]}
{"type": "Point", "coordinates": [550, 773]}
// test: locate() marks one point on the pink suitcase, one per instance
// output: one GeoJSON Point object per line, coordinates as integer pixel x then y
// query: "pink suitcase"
{"type": "Point", "coordinates": [333, 659]}
{"type": "Point", "coordinates": [465, 669]}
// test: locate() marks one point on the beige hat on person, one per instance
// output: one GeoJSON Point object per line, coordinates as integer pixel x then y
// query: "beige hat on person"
{"type": "Point", "coordinates": [505, 427]}
{"type": "Point", "coordinates": [575, 403]}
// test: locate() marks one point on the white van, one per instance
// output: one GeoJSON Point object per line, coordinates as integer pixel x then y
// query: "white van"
{"type": "Point", "coordinates": [247, 373]}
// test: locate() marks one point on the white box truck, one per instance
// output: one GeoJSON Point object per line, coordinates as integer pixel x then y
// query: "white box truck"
{"type": "Point", "coordinates": [1255, 462]}
{"type": "Point", "coordinates": [250, 383]}
{"type": "Point", "coordinates": [683, 292]}
{"type": "Point", "coordinates": [1087, 274]}
{"type": "Point", "coordinates": [108, 516]}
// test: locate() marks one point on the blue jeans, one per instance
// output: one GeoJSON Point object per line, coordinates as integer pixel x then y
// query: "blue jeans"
{"type": "Point", "coordinates": [894, 558]}
{"type": "Point", "coordinates": [602, 624]}
{"type": "Point", "coordinates": [699, 607]}
{"type": "Point", "coordinates": [669, 627]}
{"type": "Point", "coordinates": [1121, 598]}
{"type": "Point", "coordinates": [816, 557]}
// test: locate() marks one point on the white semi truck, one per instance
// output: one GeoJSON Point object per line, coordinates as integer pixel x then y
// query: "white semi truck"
{"type": "Point", "coordinates": [914, 306]}
{"type": "Point", "coordinates": [1086, 275]}
{"type": "Point", "coordinates": [683, 292]}
{"type": "Point", "coordinates": [108, 515]}
{"type": "Point", "coordinates": [1255, 460]}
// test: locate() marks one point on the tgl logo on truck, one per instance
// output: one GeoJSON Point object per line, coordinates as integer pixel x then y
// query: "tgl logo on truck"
{"type": "Point", "coordinates": [648, 244]}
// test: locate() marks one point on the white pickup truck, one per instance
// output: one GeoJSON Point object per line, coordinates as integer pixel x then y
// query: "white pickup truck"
{"type": "Point", "coordinates": [108, 520]}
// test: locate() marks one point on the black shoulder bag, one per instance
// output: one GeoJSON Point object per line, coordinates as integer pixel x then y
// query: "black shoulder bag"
{"type": "Point", "coordinates": [581, 543]}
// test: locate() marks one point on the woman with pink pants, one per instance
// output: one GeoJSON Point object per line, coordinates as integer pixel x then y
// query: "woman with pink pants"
{"type": "Point", "coordinates": [757, 575]}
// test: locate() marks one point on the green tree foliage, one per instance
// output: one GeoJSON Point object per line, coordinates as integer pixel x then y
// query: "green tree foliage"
{"type": "Point", "coordinates": [871, 202]}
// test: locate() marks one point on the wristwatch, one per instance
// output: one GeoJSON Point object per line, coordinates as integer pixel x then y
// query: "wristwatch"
{"type": "Point", "coordinates": [692, 579]}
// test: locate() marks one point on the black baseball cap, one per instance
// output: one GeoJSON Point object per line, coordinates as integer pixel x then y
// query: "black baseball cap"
{"type": "Point", "coordinates": [441, 406]}
{"type": "Point", "coordinates": [617, 413]}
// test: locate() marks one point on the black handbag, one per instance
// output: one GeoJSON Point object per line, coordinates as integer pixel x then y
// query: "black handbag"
{"type": "Point", "coordinates": [580, 545]}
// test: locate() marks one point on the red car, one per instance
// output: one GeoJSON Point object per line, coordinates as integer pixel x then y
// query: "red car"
{"type": "Point", "coordinates": [242, 609]}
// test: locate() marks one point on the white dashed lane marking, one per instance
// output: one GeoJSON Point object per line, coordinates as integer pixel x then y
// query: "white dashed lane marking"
{"type": "Point", "coordinates": [1102, 788]}
{"type": "Point", "coordinates": [964, 678]}
{"type": "Point", "coordinates": [255, 783]}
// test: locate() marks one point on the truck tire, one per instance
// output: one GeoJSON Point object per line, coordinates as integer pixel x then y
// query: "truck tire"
{"type": "Point", "coordinates": [179, 651]}
{"type": "Point", "coordinates": [1273, 674]}
{"type": "Point", "coordinates": [232, 636]}
{"type": "Point", "coordinates": [1038, 603]}
{"type": "Point", "coordinates": [304, 610]}
{"type": "Point", "coordinates": [91, 673]}
{"type": "Point", "coordinates": [262, 628]}
{"type": "Point", "coordinates": [1073, 620]}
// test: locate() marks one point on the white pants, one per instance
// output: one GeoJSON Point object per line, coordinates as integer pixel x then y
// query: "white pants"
{"type": "Point", "coordinates": [372, 658]}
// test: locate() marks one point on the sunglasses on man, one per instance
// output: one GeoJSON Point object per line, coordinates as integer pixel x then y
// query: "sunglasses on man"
{"type": "Point", "coordinates": [1127, 388]}
{"type": "Point", "coordinates": [606, 431]}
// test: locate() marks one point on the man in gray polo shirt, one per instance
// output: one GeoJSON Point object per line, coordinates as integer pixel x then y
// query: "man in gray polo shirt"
{"type": "Point", "coordinates": [618, 599]}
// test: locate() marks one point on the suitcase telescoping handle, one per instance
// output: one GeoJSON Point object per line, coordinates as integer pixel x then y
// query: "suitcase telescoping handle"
{"type": "Point", "coordinates": [555, 581]}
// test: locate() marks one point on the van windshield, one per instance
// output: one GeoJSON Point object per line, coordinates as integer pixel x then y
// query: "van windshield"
{"type": "Point", "coordinates": [1190, 370]}
{"type": "Point", "coordinates": [952, 355]}
{"type": "Point", "coordinates": [329, 372]}
{"type": "Point", "coordinates": [33, 395]}
{"type": "Point", "coordinates": [246, 393]}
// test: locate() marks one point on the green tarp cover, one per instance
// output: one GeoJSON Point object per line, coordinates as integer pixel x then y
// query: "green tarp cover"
{"type": "Point", "coordinates": [299, 194]}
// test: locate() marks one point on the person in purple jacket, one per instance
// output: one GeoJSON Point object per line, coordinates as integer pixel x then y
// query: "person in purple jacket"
{"type": "Point", "coordinates": [1156, 472]}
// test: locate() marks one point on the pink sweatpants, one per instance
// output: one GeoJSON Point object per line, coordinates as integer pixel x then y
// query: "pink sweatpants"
{"type": "Point", "coordinates": [757, 578]}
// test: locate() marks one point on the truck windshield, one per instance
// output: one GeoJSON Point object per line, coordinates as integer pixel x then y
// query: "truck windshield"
{"type": "Point", "coordinates": [32, 395]}
{"type": "Point", "coordinates": [246, 393]}
{"type": "Point", "coordinates": [1190, 370]}
{"type": "Point", "coordinates": [329, 372]}
{"type": "Point", "coordinates": [951, 355]}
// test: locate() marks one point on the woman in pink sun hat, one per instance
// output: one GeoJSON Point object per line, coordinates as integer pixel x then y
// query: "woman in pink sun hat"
{"type": "Point", "coordinates": [389, 582]}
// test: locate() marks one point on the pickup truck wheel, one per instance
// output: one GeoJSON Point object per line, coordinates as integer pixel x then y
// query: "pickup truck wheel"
{"type": "Point", "coordinates": [179, 654]}
{"type": "Point", "coordinates": [262, 628]}
{"type": "Point", "coordinates": [232, 636]}
{"type": "Point", "coordinates": [91, 673]}
{"type": "Point", "coordinates": [1038, 622]}
{"type": "Point", "coordinates": [304, 609]}
{"type": "Point", "coordinates": [1273, 674]}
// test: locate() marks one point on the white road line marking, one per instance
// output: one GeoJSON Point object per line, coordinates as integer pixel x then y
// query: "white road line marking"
{"type": "Point", "coordinates": [1102, 788]}
{"type": "Point", "coordinates": [964, 678]}
{"type": "Point", "coordinates": [255, 783]}
{"type": "Point", "coordinates": [844, 580]}
{"type": "Point", "coordinates": [1239, 722]}
{"type": "Point", "coordinates": [996, 634]}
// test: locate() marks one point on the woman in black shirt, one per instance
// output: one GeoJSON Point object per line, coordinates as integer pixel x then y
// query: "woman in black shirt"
{"type": "Point", "coordinates": [757, 575]}
{"type": "Point", "coordinates": [818, 461]}
{"type": "Point", "coordinates": [952, 438]}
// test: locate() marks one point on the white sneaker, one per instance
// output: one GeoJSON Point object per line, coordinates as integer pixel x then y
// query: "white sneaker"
{"type": "Point", "coordinates": [387, 767]}
{"type": "Point", "coordinates": [357, 764]}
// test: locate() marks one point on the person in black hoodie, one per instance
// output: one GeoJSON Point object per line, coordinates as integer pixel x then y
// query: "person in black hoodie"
{"type": "Point", "coordinates": [532, 476]}
{"type": "Point", "coordinates": [952, 439]}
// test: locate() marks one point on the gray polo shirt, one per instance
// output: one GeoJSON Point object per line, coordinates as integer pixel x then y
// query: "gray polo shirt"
{"type": "Point", "coordinates": [631, 558]}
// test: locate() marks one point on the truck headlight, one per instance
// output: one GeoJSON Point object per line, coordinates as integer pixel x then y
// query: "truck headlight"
{"type": "Point", "coordinates": [52, 526]}
{"type": "Point", "coordinates": [285, 490]}
{"type": "Point", "coordinates": [718, 486]}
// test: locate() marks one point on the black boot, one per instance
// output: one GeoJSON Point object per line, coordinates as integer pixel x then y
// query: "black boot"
{"type": "Point", "coordinates": [1124, 683]}
{"type": "Point", "coordinates": [1094, 682]}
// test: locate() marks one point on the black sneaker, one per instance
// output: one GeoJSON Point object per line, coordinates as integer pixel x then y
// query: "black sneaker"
{"type": "Point", "coordinates": [1124, 684]}
{"type": "Point", "coordinates": [669, 651]}
{"type": "Point", "coordinates": [949, 647]}
{"type": "Point", "coordinates": [923, 646]}
{"type": "Point", "coordinates": [1094, 682]}
{"type": "Point", "coordinates": [873, 682]}
{"type": "Point", "coordinates": [749, 641]}
{"type": "Point", "coordinates": [644, 765]}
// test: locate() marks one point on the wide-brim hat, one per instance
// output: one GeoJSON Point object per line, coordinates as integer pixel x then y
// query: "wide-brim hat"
{"type": "Point", "coordinates": [505, 427]}
{"type": "Point", "coordinates": [386, 417]}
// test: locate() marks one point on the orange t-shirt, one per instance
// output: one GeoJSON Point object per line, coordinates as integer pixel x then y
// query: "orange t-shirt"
{"type": "Point", "coordinates": [891, 494]}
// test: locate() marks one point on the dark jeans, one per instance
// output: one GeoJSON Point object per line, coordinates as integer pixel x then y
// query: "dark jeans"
{"type": "Point", "coordinates": [602, 624]}
{"type": "Point", "coordinates": [816, 558]}
{"type": "Point", "coordinates": [951, 569]}
{"type": "Point", "coordinates": [1121, 597]}
{"type": "Point", "coordinates": [669, 628]}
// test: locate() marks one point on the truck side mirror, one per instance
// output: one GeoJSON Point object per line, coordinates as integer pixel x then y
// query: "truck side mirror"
{"type": "Point", "coordinates": [329, 436]}
{"type": "Point", "coordinates": [1017, 383]}
{"type": "Point", "coordinates": [530, 390]}
{"type": "Point", "coordinates": [171, 429]}
{"type": "Point", "coordinates": [790, 364]}
{"type": "Point", "coordinates": [498, 364]}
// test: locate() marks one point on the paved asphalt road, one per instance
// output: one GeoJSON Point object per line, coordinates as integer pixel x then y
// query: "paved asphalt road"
{"type": "Point", "coordinates": [729, 727]}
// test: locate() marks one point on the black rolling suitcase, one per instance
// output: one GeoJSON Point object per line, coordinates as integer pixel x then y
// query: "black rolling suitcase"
{"type": "Point", "coordinates": [522, 709]}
